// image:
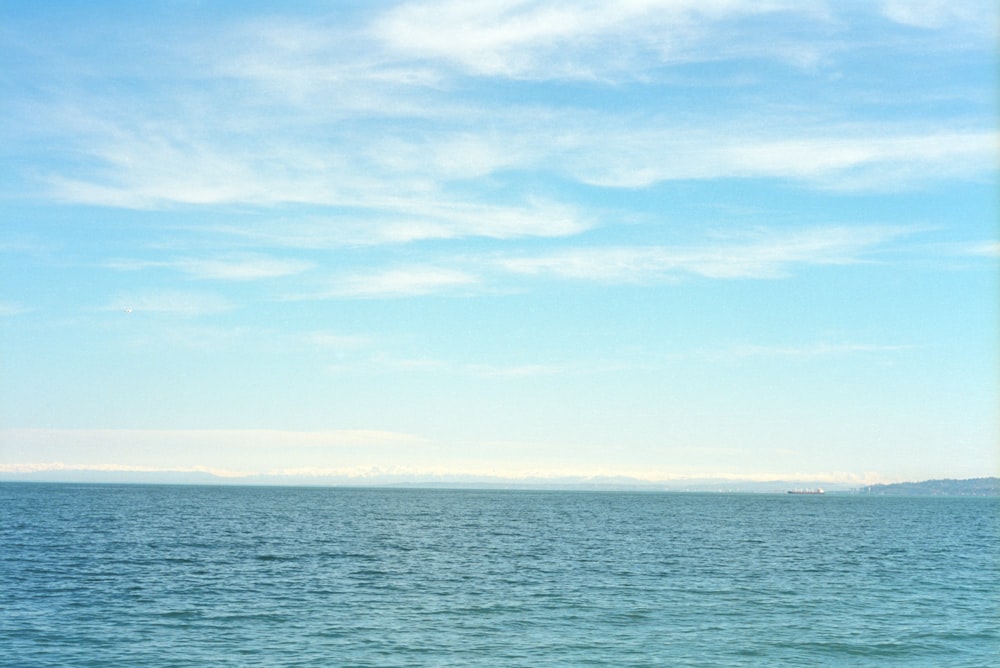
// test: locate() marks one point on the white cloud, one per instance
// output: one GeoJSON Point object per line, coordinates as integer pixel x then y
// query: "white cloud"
{"type": "Point", "coordinates": [242, 268]}
{"type": "Point", "coordinates": [226, 268]}
{"type": "Point", "coordinates": [143, 172]}
{"type": "Point", "coordinates": [772, 256]}
{"type": "Point", "coordinates": [26, 439]}
{"type": "Point", "coordinates": [982, 249]}
{"type": "Point", "coordinates": [401, 282]}
{"type": "Point", "coordinates": [536, 219]}
{"type": "Point", "coordinates": [405, 186]}
{"type": "Point", "coordinates": [977, 15]}
{"type": "Point", "coordinates": [443, 219]}
{"type": "Point", "coordinates": [334, 340]}
{"type": "Point", "coordinates": [856, 158]}
{"type": "Point", "coordinates": [170, 302]}
{"type": "Point", "coordinates": [585, 39]}
{"type": "Point", "coordinates": [518, 370]}
{"type": "Point", "coordinates": [757, 254]}
{"type": "Point", "coordinates": [398, 220]}
{"type": "Point", "coordinates": [809, 350]}
{"type": "Point", "coordinates": [453, 154]}
{"type": "Point", "coordinates": [407, 189]}
{"type": "Point", "coordinates": [13, 308]}
{"type": "Point", "coordinates": [330, 115]}
{"type": "Point", "coordinates": [227, 452]}
{"type": "Point", "coordinates": [93, 467]}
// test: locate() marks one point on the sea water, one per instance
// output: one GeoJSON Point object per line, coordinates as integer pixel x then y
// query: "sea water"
{"type": "Point", "coordinates": [132, 575]}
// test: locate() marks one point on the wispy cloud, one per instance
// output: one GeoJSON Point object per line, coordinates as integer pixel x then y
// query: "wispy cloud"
{"type": "Point", "coordinates": [399, 282]}
{"type": "Point", "coordinates": [335, 340]}
{"type": "Point", "coordinates": [806, 351]}
{"type": "Point", "coordinates": [412, 185]}
{"type": "Point", "coordinates": [27, 438]}
{"type": "Point", "coordinates": [226, 452]}
{"type": "Point", "coordinates": [13, 308]}
{"type": "Point", "coordinates": [754, 254]}
{"type": "Point", "coordinates": [308, 89]}
{"type": "Point", "coordinates": [94, 467]}
{"type": "Point", "coordinates": [225, 268]}
{"type": "Point", "coordinates": [535, 39]}
{"type": "Point", "coordinates": [981, 249]}
{"type": "Point", "coordinates": [541, 40]}
{"type": "Point", "coordinates": [395, 220]}
{"type": "Point", "coordinates": [518, 370]}
{"type": "Point", "coordinates": [170, 302]}
{"type": "Point", "coordinates": [867, 158]}
{"type": "Point", "coordinates": [241, 268]}
{"type": "Point", "coordinates": [974, 15]}
{"type": "Point", "coordinates": [135, 168]}
{"type": "Point", "coordinates": [773, 255]}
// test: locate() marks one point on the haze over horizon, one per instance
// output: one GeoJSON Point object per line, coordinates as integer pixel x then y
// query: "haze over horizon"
{"type": "Point", "coordinates": [662, 240]}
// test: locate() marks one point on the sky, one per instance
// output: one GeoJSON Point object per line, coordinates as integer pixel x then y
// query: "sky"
{"type": "Point", "coordinates": [658, 239]}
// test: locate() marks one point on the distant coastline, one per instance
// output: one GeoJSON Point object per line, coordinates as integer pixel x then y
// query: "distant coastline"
{"type": "Point", "coordinates": [944, 487]}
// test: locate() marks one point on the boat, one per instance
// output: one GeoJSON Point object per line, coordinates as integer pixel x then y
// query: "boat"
{"type": "Point", "coordinates": [818, 490]}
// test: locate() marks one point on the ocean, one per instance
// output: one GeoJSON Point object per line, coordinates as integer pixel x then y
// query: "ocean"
{"type": "Point", "coordinates": [146, 575]}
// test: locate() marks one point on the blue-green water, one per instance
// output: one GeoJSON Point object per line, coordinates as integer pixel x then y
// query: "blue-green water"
{"type": "Point", "coordinates": [94, 575]}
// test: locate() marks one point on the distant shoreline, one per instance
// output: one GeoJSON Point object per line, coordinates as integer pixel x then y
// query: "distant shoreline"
{"type": "Point", "coordinates": [943, 487]}
{"type": "Point", "coordinates": [984, 487]}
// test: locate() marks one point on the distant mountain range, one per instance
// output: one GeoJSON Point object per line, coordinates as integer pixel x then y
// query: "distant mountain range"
{"type": "Point", "coordinates": [970, 487]}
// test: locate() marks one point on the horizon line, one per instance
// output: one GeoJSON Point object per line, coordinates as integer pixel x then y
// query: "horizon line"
{"type": "Point", "coordinates": [136, 475]}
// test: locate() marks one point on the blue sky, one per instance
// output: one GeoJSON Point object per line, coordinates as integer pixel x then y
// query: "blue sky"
{"type": "Point", "coordinates": [658, 239]}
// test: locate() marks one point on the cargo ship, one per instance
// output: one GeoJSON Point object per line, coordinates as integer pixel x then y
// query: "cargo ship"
{"type": "Point", "coordinates": [818, 490]}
